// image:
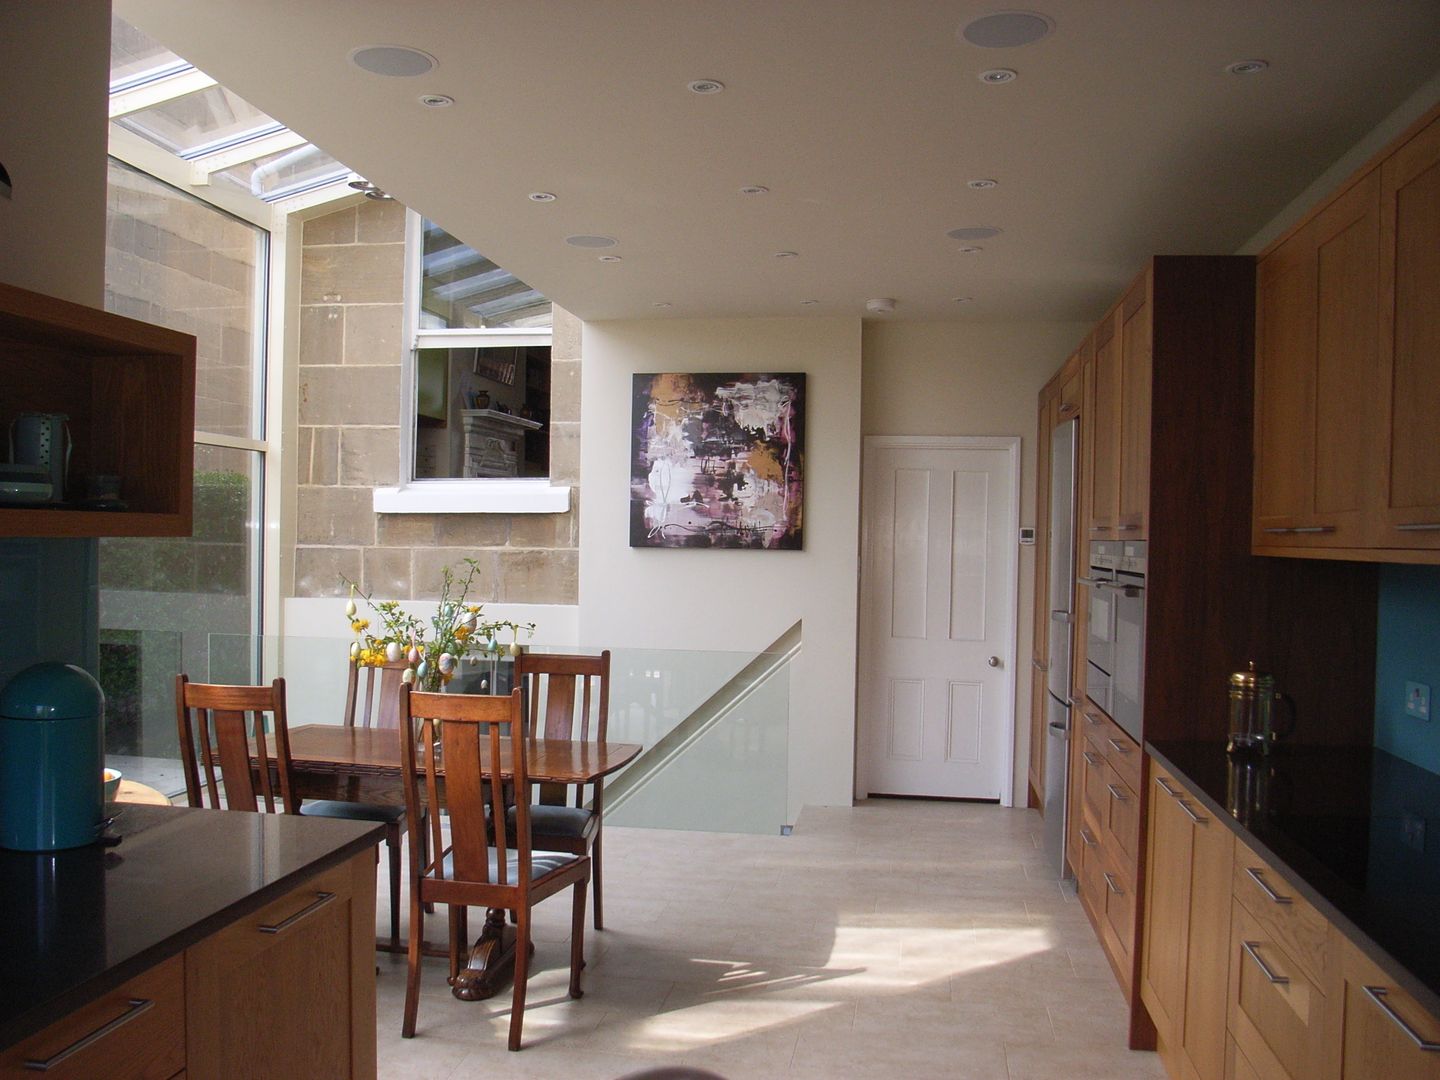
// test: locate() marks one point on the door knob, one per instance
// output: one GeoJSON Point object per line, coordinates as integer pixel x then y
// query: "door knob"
{"type": "Point", "coordinates": [994, 661]}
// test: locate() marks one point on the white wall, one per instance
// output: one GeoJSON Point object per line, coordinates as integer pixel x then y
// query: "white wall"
{"type": "Point", "coordinates": [735, 600]}
{"type": "Point", "coordinates": [54, 82]}
{"type": "Point", "coordinates": [959, 378]}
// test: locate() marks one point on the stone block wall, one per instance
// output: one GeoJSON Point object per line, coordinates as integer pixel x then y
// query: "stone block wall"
{"type": "Point", "coordinates": [350, 352]}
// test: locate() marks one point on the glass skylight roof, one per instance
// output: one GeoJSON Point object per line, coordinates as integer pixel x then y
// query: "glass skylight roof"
{"type": "Point", "coordinates": [135, 56]}
{"type": "Point", "coordinates": [288, 172]}
{"type": "Point", "coordinates": [460, 288]}
{"type": "Point", "coordinates": [206, 120]}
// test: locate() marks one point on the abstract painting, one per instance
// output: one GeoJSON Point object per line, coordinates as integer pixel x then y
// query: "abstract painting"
{"type": "Point", "coordinates": [717, 461]}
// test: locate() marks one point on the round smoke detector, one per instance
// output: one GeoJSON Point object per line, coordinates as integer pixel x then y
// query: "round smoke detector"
{"type": "Point", "coordinates": [585, 240]}
{"type": "Point", "coordinates": [395, 61]}
{"type": "Point", "coordinates": [1007, 29]}
{"type": "Point", "coordinates": [996, 76]}
{"type": "Point", "coordinates": [973, 232]}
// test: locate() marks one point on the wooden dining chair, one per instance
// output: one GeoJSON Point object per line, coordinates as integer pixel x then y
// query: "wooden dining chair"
{"type": "Point", "coordinates": [468, 737]}
{"type": "Point", "coordinates": [237, 714]}
{"type": "Point", "coordinates": [571, 687]}
{"type": "Point", "coordinates": [216, 725]}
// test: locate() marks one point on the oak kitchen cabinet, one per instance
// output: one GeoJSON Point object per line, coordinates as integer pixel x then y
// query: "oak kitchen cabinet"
{"type": "Point", "coordinates": [1348, 368]}
{"type": "Point", "coordinates": [1382, 1030]}
{"type": "Point", "coordinates": [218, 945]}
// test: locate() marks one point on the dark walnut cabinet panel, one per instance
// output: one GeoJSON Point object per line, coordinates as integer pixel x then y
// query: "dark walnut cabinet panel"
{"type": "Point", "coordinates": [128, 389]}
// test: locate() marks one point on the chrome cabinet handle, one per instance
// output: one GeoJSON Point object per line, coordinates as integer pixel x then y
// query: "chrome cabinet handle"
{"type": "Point", "coordinates": [1120, 748]}
{"type": "Point", "coordinates": [1086, 837]}
{"type": "Point", "coordinates": [1090, 759]}
{"type": "Point", "coordinates": [1419, 526]}
{"type": "Point", "coordinates": [1068, 408]}
{"type": "Point", "coordinates": [1278, 980]}
{"type": "Point", "coordinates": [138, 1007]}
{"type": "Point", "coordinates": [1110, 884]}
{"type": "Point", "coordinates": [1255, 875]}
{"type": "Point", "coordinates": [1313, 529]}
{"type": "Point", "coordinates": [1127, 528]}
{"type": "Point", "coordinates": [1092, 719]}
{"type": "Point", "coordinates": [1191, 814]}
{"type": "Point", "coordinates": [1165, 787]}
{"type": "Point", "coordinates": [1093, 582]}
{"type": "Point", "coordinates": [1039, 665]}
{"type": "Point", "coordinates": [1278, 530]}
{"type": "Point", "coordinates": [1377, 995]}
{"type": "Point", "coordinates": [1117, 794]}
{"type": "Point", "coordinates": [321, 899]}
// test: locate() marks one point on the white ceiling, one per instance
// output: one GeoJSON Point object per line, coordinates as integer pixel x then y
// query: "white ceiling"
{"type": "Point", "coordinates": [1122, 137]}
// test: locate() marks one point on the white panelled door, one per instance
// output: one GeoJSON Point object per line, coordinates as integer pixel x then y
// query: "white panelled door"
{"type": "Point", "coordinates": [937, 616]}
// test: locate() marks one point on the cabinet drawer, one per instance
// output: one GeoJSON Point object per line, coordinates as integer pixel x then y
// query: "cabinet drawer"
{"type": "Point", "coordinates": [136, 1032]}
{"type": "Point", "coordinates": [1385, 1031]}
{"type": "Point", "coordinates": [1090, 866]}
{"type": "Point", "coordinates": [1276, 1012]}
{"type": "Point", "coordinates": [1237, 1065]}
{"type": "Point", "coordinates": [1289, 918]}
{"type": "Point", "coordinates": [1121, 751]}
{"type": "Point", "coordinates": [1119, 898]}
{"type": "Point", "coordinates": [1122, 817]}
{"type": "Point", "coordinates": [1097, 797]}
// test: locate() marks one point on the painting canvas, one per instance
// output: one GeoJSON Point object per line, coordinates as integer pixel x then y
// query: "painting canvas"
{"type": "Point", "coordinates": [717, 461]}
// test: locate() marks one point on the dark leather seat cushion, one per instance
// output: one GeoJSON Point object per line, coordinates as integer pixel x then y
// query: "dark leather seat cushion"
{"type": "Point", "coordinates": [541, 863]}
{"type": "Point", "coordinates": [567, 822]}
{"type": "Point", "coordinates": [352, 811]}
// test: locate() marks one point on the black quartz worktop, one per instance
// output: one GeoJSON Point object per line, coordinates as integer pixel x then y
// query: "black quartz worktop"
{"type": "Point", "coordinates": [76, 924]}
{"type": "Point", "coordinates": [1355, 830]}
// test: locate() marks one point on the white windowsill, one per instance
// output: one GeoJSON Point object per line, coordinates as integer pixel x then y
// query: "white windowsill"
{"type": "Point", "coordinates": [490, 496]}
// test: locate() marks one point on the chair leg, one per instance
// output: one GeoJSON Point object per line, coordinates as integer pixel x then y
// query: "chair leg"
{"type": "Point", "coordinates": [595, 879]}
{"type": "Point", "coordinates": [425, 851]}
{"type": "Point", "coordinates": [412, 974]}
{"type": "Point", "coordinates": [392, 844]}
{"type": "Point", "coordinates": [522, 975]}
{"type": "Point", "coordinates": [459, 937]}
{"type": "Point", "coordinates": [577, 940]}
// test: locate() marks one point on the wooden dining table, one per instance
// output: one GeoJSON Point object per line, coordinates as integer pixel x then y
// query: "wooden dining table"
{"type": "Point", "coordinates": [331, 761]}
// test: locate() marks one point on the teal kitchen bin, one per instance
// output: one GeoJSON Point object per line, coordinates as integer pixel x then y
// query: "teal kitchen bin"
{"type": "Point", "coordinates": [52, 756]}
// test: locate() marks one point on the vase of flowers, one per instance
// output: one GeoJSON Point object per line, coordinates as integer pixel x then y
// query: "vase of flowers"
{"type": "Point", "coordinates": [432, 650]}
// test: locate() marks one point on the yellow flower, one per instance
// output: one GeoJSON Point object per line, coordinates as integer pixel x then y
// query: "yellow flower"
{"type": "Point", "coordinates": [359, 625]}
{"type": "Point", "coordinates": [462, 632]}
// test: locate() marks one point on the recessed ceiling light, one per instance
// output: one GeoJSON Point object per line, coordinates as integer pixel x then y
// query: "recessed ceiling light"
{"type": "Point", "coordinates": [1007, 29]}
{"type": "Point", "coordinates": [973, 232]}
{"type": "Point", "coordinates": [1247, 67]}
{"type": "Point", "coordinates": [369, 190]}
{"type": "Point", "coordinates": [969, 249]}
{"type": "Point", "coordinates": [754, 189]}
{"type": "Point", "coordinates": [541, 196]}
{"type": "Point", "coordinates": [808, 303]}
{"type": "Point", "coordinates": [662, 303]}
{"type": "Point", "coordinates": [395, 61]}
{"type": "Point", "coordinates": [706, 86]}
{"type": "Point", "coordinates": [436, 101]}
{"type": "Point", "coordinates": [996, 76]}
{"type": "Point", "coordinates": [787, 254]}
{"type": "Point", "coordinates": [586, 240]}
{"type": "Point", "coordinates": [962, 299]}
{"type": "Point", "coordinates": [880, 305]}
{"type": "Point", "coordinates": [608, 258]}
{"type": "Point", "coordinates": [982, 185]}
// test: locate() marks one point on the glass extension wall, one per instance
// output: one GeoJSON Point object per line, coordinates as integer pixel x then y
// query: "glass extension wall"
{"type": "Point", "coordinates": [174, 260]}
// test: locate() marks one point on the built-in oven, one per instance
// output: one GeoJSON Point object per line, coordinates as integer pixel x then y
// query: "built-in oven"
{"type": "Point", "coordinates": [1115, 636]}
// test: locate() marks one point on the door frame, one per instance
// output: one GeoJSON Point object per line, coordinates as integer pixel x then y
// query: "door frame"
{"type": "Point", "coordinates": [1010, 444]}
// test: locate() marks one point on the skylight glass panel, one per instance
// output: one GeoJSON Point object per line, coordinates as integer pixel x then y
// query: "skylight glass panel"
{"type": "Point", "coordinates": [279, 175]}
{"type": "Point", "coordinates": [206, 119]}
{"type": "Point", "coordinates": [462, 289]}
{"type": "Point", "coordinates": [134, 55]}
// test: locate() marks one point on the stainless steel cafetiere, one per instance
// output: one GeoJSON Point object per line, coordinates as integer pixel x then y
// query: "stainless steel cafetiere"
{"type": "Point", "coordinates": [1253, 701]}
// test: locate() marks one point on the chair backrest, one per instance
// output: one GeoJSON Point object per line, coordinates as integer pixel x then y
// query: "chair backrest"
{"type": "Point", "coordinates": [556, 677]}
{"type": "Point", "coordinates": [387, 696]}
{"type": "Point", "coordinates": [480, 742]}
{"type": "Point", "coordinates": [216, 724]}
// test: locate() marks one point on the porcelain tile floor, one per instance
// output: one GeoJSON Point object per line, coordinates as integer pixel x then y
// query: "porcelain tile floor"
{"type": "Point", "coordinates": [890, 939]}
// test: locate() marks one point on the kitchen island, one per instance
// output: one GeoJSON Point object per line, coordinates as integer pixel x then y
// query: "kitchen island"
{"type": "Point", "coordinates": [203, 944]}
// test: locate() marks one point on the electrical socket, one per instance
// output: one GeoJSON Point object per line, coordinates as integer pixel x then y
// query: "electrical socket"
{"type": "Point", "coordinates": [1414, 827]}
{"type": "Point", "coordinates": [1417, 700]}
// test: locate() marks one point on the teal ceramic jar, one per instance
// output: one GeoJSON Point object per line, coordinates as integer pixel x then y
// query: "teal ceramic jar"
{"type": "Point", "coordinates": [52, 755]}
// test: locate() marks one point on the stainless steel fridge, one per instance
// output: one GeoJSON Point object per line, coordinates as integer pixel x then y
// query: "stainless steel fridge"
{"type": "Point", "coordinates": [1062, 609]}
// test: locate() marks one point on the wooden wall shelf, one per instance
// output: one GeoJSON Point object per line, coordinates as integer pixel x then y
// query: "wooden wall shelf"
{"type": "Point", "coordinates": [128, 389]}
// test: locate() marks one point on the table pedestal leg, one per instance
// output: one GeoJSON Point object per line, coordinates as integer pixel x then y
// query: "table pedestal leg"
{"type": "Point", "coordinates": [492, 960]}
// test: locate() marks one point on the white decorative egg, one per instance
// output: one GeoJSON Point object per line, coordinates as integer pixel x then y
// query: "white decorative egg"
{"type": "Point", "coordinates": [407, 676]}
{"type": "Point", "coordinates": [355, 650]}
{"type": "Point", "coordinates": [514, 648]}
{"type": "Point", "coordinates": [393, 652]}
{"type": "Point", "coordinates": [447, 663]}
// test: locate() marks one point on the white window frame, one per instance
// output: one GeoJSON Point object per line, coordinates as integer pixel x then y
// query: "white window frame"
{"type": "Point", "coordinates": [490, 495]}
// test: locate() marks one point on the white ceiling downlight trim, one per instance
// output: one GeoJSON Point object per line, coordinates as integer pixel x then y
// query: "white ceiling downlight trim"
{"type": "Point", "coordinates": [973, 232]}
{"type": "Point", "coordinates": [1007, 29]}
{"type": "Point", "coordinates": [590, 240]}
{"type": "Point", "coordinates": [997, 76]}
{"type": "Point", "coordinates": [393, 61]}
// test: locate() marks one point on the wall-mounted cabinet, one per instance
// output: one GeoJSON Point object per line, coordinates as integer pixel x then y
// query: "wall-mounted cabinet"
{"type": "Point", "coordinates": [128, 391]}
{"type": "Point", "coordinates": [1347, 459]}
